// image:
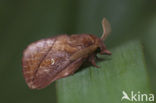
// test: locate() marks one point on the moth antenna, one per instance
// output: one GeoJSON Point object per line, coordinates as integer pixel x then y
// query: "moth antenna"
{"type": "Point", "coordinates": [106, 28]}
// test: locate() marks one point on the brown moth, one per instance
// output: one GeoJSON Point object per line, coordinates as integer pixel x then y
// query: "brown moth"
{"type": "Point", "coordinates": [47, 60]}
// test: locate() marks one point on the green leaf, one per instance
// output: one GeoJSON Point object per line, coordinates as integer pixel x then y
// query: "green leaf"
{"type": "Point", "coordinates": [125, 71]}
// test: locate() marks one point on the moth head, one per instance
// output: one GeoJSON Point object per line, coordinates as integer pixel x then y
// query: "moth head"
{"type": "Point", "coordinates": [106, 31]}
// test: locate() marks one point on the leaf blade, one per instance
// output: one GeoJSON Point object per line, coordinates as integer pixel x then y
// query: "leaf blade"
{"type": "Point", "coordinates": [124, 70]}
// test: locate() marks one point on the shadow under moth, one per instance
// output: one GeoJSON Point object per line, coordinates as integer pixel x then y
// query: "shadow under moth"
{"type": "Point", "coordinates": [47, 60]}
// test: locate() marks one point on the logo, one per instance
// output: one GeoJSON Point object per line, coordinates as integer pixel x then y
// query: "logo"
{"type": "Point", "coordinates": [138, 96]}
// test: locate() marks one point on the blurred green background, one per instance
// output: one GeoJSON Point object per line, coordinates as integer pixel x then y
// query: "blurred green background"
{"type": "Point", "coordinates": [25, 21]}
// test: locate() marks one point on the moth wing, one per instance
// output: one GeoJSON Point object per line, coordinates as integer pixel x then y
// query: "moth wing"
{"type": "Point", "coordinates": [54, 64]}
{"type": "Point", "coordinates": [51, 66]}
{"type": "Point", "coordinates": [70, 69]}
{"type": "Point", "coordinates": [44, 64]}
{"type": "Point", "coordinates": [32, 57]}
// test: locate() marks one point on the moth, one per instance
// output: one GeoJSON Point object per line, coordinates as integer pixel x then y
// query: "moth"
{"type": "Point", "coordinates": [50, 59]}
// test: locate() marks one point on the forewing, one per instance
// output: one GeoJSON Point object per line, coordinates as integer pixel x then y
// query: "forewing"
{"type": "Point", "coordinates": [33, 56]}
{"type": "Point", "coordinates": [45, 59]}
{"type": "Point", "coordinates": [71, 68]}
{"type": "Point", "coordinates": [53, 63]}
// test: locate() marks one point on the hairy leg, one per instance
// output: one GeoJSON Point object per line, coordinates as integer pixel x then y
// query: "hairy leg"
{"type": "Point", "coordinates": [92, 60]}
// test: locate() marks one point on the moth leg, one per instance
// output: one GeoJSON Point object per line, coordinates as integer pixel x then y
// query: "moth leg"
{"type": "Point", "coordinates": [92, 60]}
{"type": "Point", "coordinates": [70, 69]}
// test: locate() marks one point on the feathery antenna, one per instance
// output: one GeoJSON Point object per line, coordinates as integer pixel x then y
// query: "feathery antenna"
{"type": "Point", "coordinates": [106, 28]}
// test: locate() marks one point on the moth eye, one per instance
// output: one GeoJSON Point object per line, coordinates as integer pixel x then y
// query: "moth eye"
{"type": "Point", "coordinates": [52, 61]}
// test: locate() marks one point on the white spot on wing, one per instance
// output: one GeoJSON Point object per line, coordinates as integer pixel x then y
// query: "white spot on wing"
{"type": "Point", "coordinates": [52, 61]}
{"type": "Point", "coordinates": [46, 70]}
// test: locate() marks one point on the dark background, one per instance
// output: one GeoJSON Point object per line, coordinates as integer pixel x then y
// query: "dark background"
{"type": "Point", "coordinates": [25, 21]}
